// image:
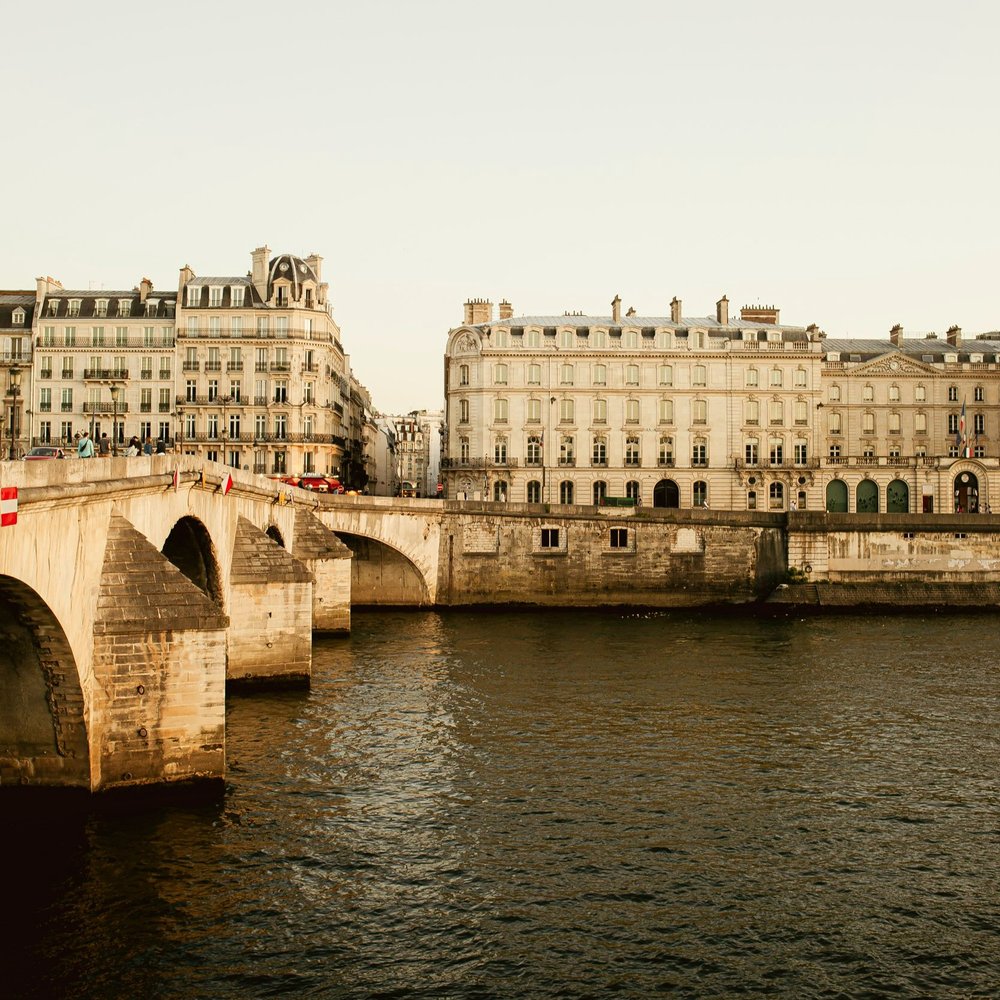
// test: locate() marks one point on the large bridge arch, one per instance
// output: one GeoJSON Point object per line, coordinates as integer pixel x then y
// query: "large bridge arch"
{"type": "Point", "coordinates": [383, 574]}
{"type": "Point", "coordinates": [189, 547]}
{"type": "Point", "coordinates": [43, 732]}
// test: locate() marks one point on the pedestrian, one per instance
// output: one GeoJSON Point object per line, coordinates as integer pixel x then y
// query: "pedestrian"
{"type": "Point", "coordinates": [704, 503]}
{"type": "Point", "coordinates": [85, 448]}
{"type": "Point", "coordinates": [793, 505]}
{"type": "Point", "coordinates": [104, 446]}
{"type": "Point", "coordinates": [147, 448]}
{"type": "Point", "coordinates": [161, 446]}
{"type": "Point", "coordinates": [133, 447]}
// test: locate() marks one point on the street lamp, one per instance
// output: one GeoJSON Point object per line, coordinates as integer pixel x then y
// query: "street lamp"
{"type": "Point", "coordinates": [115, 393]}
{"type": "Point", "coordinates": [180, 428]}
{"type": "Point", "coordinates": [15, 391]}
{"type": "Point", "coordinates": [224, 401]}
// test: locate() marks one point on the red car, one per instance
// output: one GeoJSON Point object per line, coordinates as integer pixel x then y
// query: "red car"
{"type": "Point", "coordinates": [316, 483]}
{"type": "Point", "coordinates": [44, 451]}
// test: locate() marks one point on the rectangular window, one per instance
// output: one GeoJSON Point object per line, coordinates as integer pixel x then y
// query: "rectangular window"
{"type": "Point", "coordinates": [618, 537]}
{"type": "Point", "coordinates": [801, 452]}
{"type": "Point", "coordinates": [550, 538]}
{"type": "Point", "coordinates": [215, 296]}
{"type": "Point", "coordinates": [237, 296]}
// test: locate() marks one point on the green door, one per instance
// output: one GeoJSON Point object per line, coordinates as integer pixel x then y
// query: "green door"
{"type": "Point", "coordinates": [867, 497]}
{"type": "Point", "coordinates": [836, 496]}
{"type": "Point", "coordinates": [897, 497]}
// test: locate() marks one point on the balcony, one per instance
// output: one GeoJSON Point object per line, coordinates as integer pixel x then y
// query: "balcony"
{"type": "Point", "coordinates": [191, 366]}
{"type": "Point", "coordinates": [67, 373]}
{"type": "Point", "coordinates": [213, 366]}
{"type": "Point", "coordinates": [108, 407]}
{"type": "Point", "coordinates": [106, 374]}
{"type": "Point", "coordinates": [45, 407]}
{"type": "Point", "coordinates": [568, 461]}
{"type": "Point", "coordinates": [234, 366]}
{"type": "Point", "coordinates": [479, 463]}
{"type": "Point", "coordinates": [665, 462]}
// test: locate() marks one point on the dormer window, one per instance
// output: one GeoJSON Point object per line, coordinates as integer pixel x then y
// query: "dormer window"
{"type": "Point", "coordinates": [100, 307]}
{"type": "Point", "coordinates": [152, 307]}
{"type": "Point", "coordinates": [215, 296]}
{"type": "Point", "coordinates": [237, 294]}
{"type": "Point", "coordinates": [124, 307]}
{"type": "Point", "coordinates": [17, 319]}
{"type": "Point", "coordinates": [53, 307]}
{"type": "Point", "coordinates": [281, 295]}
{"type": "Point", "coordinates": [74, 308]}
{"type": "Point", "coordinates": [193, 295]}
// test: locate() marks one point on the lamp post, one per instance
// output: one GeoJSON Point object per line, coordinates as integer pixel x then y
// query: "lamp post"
{"type": "Point", "coordinates": [224, 402]}
{"type": "Point", "coordinates": [15, 391]}
{"type": "Point", "coordinates": [115, 393]}
{"type": "Point", "coordinates": [180, 429]}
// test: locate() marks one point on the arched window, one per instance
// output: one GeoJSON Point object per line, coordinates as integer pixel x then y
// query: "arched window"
{"type": "Point", "coordinates": [751, 412]}
{"type": "Point", "coordinates": [867, 497]}
{"type": "Point", "coordinates": [751, 451]}
{"type": "Point", "coordinates": [834, 421]}
{"type": "Point", "coordinates": [600, 453]}
{"type": "Point", "coordinates": [533, 413]}
{"type": "Point", "coordinates": [534, 374]}
{"type": "Point", "coordinates": [500, 451]}
{"type": "Point", "coordinates": [777, 451]}
{"type": "Point", "coordinates": [777, 412]}
{"type": "Point", "coordinates": [566, 338]}
{"type": "Point", "coordinates": [893, 393]}
{"type": "Point", "coordinates": [751, 500]}
{"type": "Point", "coordinates": [699, 412]}
{"type": "Point", "coordinates": [567, 411]}
{"type": "Point", "coordinates": [753, 377]}
{"type": "Point", "coordinates": [600, 492]}
{"type": "Point", "coordinates": [868, 422]}
{"type": "Point", "coordinates": [834, 393]}
{"type": "Point", "coordinates": [698, 375]}
{"type": "Point", "coordinates": [664, 340]}
{"type": "Point", "coordinates": [500, 491]}
{"type": "Point", "coordinates": [631, 411]}
{"type": "Point", "coordinates": [836, 496]}
{"type": "Point", "coordinates": [566, 491]}
{"type": "Point", "coordinates": [868, 393]}
{"type": "Point", "coordinates": [699, 494]}
{"type": "Point", "coordinates": [533, 455]}
{"type": "Point", "coordinates": [665, 454]}
{"type": "Point", "coordinates": [777, 377]}
{"type": "Point", "coordinates": [500, 338]}
{"type": "Point", "coordinates": [776, 496]}
{"type": "Point", "coordinates": [699, 452]}
{"type": "Point", "coordinates": [897, 497]}
{"type": "Point", "coordinates": [630, 340]}
{"type": "Point", "coordinates": [534, 338]}
{"type": "Point", "coordinates": [800, 378]}
{"type": "Point", "coordinates": [894, 422]}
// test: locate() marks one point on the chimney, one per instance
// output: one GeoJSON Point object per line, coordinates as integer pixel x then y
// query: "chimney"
{"type": "Point", "coordinates": [145, 287]}
{"type": "Point", "coordinates": [675, 310]}
{"type": "Point", "coordinates": [316, 263]}
{"type": "Point", "coordinates": [43, 287]}
{"type": "Point", "coordinates": [765, 315]}
{"type": "Point", "coordinates": [631, 311]}
{"type": "Point", "coordinates": [506, 310]}
{"type": "Point", "coordinates": [478, 311]}
{"type": "Point", "coordinates": [954, 336]}
{"type": "Point", "coordinates": [722, 311]}
{"type": "Point", "coordinates": [616, 310]}
{"type": "Point", "coordinates": [186, 275]}
{"type": "Point", "coordinates": [258, 272]}
{"type": "Point", "coordinates": [896, 335]}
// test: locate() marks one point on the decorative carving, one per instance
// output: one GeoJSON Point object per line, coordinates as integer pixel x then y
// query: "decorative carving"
{"type": "Point", "coordinates": [896, 364]}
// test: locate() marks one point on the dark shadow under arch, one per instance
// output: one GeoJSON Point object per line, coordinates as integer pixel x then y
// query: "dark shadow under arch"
{"type": "Point", "coordinates": [189, 547]}
{"type": "Point", "coordinates": [274, 533]}
{"type": "Point", "coordinates": [43, 731]}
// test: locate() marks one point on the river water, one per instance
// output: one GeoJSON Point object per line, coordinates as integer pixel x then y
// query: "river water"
{"type": "Point", "coordinates": [554, 804]}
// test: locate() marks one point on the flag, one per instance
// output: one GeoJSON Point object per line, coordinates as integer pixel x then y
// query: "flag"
{"type": "Point", "coordinates": [8, 505]}
{"type": "Point", "coordinates": [177, 479]}
{"type": "Point", "coordinates": [227, 484]}
{"type": "Point", "coordinates": [963, 437]}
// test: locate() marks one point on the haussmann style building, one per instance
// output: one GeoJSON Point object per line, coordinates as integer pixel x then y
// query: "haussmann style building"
{"type": "Point", "coordinates": [735, 412]}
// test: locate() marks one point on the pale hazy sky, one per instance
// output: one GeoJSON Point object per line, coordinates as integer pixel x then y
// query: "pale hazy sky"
{"type": "Point", "coordinates": [839, 161]}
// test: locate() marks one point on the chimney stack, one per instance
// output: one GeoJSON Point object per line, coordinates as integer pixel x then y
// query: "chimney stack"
{"type": "Point", "coordinates": [187, 273]}
{"type": "Point", "coordinates": [722, 311]}
{"type": "Point", "coordinates": [616, 310]}
{"type": "Point", "coordinates": [478, 311]}
{"type": "Point", "coordinates": [316, 263]}
{"type": "Point", "coordinates": [896, 335]}
{"type": "Point", "coordinates": [954, 336]}
{"type": "Point", "coordinates": [506, 310]}
{"type": "Point", "coordinates": [145, 287]}
{"type": "Point", "coordinates": [258, 272]}
{"type": "Point", "coordinates": [675, 310]}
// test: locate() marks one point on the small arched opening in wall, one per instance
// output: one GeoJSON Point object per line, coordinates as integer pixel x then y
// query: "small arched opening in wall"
{"type": "Point", "coordinates": [43, 735]}
{"type": "Point", "coordinates": [383, 575]}
{"type": "Point", "coordinates": [274, 533]}
{"type": "Point", "coordinates": [666, 494]}
{"type": "Point", "coordinates": [966, 486]}
{"type": "Point", "coordinates": [189, 547]}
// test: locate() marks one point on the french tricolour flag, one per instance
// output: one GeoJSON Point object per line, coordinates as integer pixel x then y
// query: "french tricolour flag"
{"type": "Point", "coordinates": [227, 484]}
{"type": "Point", "coordinates": [8, 505]}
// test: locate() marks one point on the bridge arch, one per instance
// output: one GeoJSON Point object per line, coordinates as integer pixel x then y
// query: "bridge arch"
{"type": "Point", "coordinates": [383, 574]}
{"type": "Point", "coordinates": [43, 733]}
{"type": "Point", "coordinates": [274, 533]}
{"type": "Point", "coordinates": [189, 547]}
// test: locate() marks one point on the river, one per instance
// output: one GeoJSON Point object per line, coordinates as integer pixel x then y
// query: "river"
{"type": "Point", "coordinates": [553, 804]}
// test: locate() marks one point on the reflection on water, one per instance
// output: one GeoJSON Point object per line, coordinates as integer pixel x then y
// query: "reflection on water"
{"type": "Point", "coordinates": [542, 804]}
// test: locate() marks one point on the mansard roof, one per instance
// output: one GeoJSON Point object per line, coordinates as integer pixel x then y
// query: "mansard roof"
{"type": "Point", "coordinates": [12, 301]}
{"type": "Point", "coordinates": [709, 323]}
{"type": "Point", "coordinates": [88, 303]}
{"type": "Point", "coordinates": [933, 349]}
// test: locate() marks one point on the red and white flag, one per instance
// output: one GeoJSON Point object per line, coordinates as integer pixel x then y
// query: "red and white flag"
{"type": "Point", "coordinates": [8, 505]}
{"type": "Point", "coordinates": [177, 479]}
{"type": "Point", "coordinates": [227, 484]}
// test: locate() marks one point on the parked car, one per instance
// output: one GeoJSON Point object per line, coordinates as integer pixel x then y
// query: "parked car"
{"type": "Point", "coordinates": [44, 451]}
{"type": "Point", "coordinates": [316, 483]}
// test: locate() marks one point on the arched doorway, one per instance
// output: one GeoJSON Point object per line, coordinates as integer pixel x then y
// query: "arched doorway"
{"type": "Point", "coordinates": [633, 491]}
{"type": "Point", "coordinates": [836, 496]}
{"type": "Point", "coordinates": [867, 497]}
{"type": "Point", "coordinates": [500, 491]}
{"type": "Point", "coordinates": [666, 494]}
{"type": "Point", "coordinates": [600, 492]}
{"type": "Point", "coordinates": [566, 491]}
{"type": "Point", "coordinates": [699, 494]}
{"type": "Point", "coordinates": [189, 547]}
{"type": "Point", "coordinates": [966, 493]}
{"type": "Point", "coordinates": [897, 497]}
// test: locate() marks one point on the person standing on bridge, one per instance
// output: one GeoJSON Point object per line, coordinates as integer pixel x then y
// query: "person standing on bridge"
{"type": "Point", "coordinates": [85, 449]}
{"type": "Point", "coordinates": [104, 446]}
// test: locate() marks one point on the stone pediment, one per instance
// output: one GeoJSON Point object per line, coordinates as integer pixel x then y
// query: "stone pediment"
{"type": "Point", "coordinates": [894, 363]}
{"type": "Point", "coordinates": [465, 341]}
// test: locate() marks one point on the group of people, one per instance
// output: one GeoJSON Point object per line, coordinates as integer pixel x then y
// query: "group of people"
{"type": "Point", "coordinates": [86, 447]}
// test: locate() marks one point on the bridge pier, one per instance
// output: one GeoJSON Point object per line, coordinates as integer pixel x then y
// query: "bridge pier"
{"type": "Point", "coordinates": [157, 707]}
{"type": "Point", "coordinates": [270, 610]}
{"type": "Point", "coordinates": [329, 561]}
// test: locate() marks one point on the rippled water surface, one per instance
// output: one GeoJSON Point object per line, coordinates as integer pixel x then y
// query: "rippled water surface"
{"type": "Point", "coordinates": [542, 804]}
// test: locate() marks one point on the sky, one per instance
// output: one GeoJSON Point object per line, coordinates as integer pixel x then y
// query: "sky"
{"type": "Point", "coordinates": [840, 162]}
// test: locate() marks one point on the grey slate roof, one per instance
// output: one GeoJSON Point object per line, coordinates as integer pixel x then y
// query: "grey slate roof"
{"type": "Point", "coordinates": [632, 322]}
{"type": "Point", "coordinates": [935, 348]}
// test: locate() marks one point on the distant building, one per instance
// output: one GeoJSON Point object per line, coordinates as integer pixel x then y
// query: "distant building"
{"type": "Point", "coordinates": [741, 413]}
